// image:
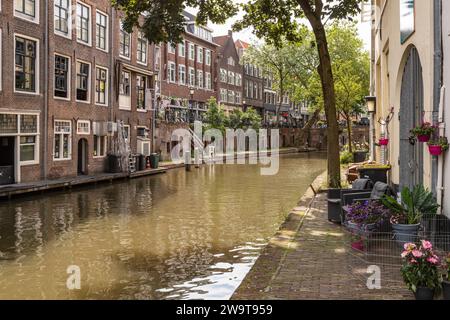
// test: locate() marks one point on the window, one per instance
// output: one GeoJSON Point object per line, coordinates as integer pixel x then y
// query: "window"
{"type": "Point", "coordinates": [231, 61]}
{"type": "Point", "coordinates": [182, 74]}
{"type": "Point", "coordinates": [140, 87]}
{"type": "Point", "coordinates": [191, 51]}
{"type": "Point", "coordinates": [101, 31]}
{"type": "Point", "coordinates": [25, 65]}
{"type": "Point", "coordinates": [200, 81]}
{"type": "Point", "coordinates": [230, 96]}
{"type": "Point", "coordinates": [83, 79]}
{"type": "Point", "coordinates": [172, 48]}
{"type": "Point", "coordinates": [191, 77]}
{"type": "Point", "coordinates": [223, 95]}
{"type": "Point", "coordinates": [62, 15]}
{"type": "Point", "coordinates": [62, 66]}
{"type": "Point", "coordinates": [238, 97]}
{"type": "Point", "coordinates": [124, 87]}
{"type": "Point", "coordinates": [208, 57]}
{"type": "Point", "coordinates": [83, 23]}
{"type": "Point", "coordinates": [238, 80]}
{"type": "Point", "coordinates": [100, 146]}
{"type": "Point", "coordinates": [231, 77]}
{"type": "Point", "coordinates": [172, 72]}
{"type": "Point", "coordinates": [101, 85]}
{"type": "Point", "coordinates": [27, 9]}
{"type": "Point", "coordinates": [200, 55]}
{"type": "Point", "coordinates": [83, 127]}
{"type": "Point", "coordinates": [182, 49]}
{"type": "Point", "coordinates": [142, 45]}
{"type": "Point", "coordinates": [208, 81]}
{"type": "Point", "coordinates": [223, 76]}
{"type": "Point", "coordinates": [27, 148]}
{"type": "Point", "coordinates": [28, 138]}
{"type": "Point", "coordinates": [63, 145]}
{"type": "Point", "coordinates": [124, 43]}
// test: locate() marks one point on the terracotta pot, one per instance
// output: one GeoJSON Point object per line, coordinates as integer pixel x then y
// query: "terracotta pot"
{"type": "Point", "coordinates": [423, 138]}
{"type": "Point", "coordinates": [384, 142]}
{"type": "Point", "coordinates": [435, 150]}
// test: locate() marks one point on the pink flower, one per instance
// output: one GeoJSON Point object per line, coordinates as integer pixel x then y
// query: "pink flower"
{"type": "Point", "coordinates": [427, 245]}
{"type": "Point", "coordinates": [433, 260]}
{"type": "Point", "coordinates": [417, 254]}
{"type": "Point", "coordinates": [404, 254]}
{"type": "Point", "coordinates": [413, 261]}
{"type": "Point", "coordinates": [409, 246]}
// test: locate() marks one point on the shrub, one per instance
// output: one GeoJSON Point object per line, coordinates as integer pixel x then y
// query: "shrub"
{"type": "Point", "coordinates": [346, 157]}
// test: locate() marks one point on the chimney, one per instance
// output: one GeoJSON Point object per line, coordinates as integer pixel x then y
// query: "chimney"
{"type": "Point", "coordinates": [230, 33]}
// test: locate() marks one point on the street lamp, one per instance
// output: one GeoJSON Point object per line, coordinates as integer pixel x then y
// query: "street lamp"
{"type": "Point", "coordinates": [371, 103]}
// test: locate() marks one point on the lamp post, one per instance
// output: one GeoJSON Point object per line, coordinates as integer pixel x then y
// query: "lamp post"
{"type": "Point", "coordinates": [371, 103]}
{"type": "Point", "coordinates": [191, 102]}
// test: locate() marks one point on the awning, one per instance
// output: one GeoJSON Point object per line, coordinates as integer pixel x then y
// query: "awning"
{"type": "Point", "coordinates": [137, 69]}
{"type": "Point", "coordinates": [273, 108]}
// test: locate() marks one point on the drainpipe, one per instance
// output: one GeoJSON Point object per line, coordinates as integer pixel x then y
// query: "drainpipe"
{"type": "Point", "coordinates": [46, 81]}
{"type": "Point", "coordinates": [111, 67]}
{"type": "Point", "coordinates": [437, 83]}
{"type": "Point", "coordinates": [441, 162]}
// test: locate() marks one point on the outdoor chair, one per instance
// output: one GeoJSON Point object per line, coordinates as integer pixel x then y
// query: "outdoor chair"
{"type": "Point", "coordinates": [335, 198]}
{"type": "Point", "coordinates": [379, 190]}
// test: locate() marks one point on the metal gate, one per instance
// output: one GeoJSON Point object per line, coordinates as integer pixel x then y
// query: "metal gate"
{"type": "Point", "coordinates": [411, 115]}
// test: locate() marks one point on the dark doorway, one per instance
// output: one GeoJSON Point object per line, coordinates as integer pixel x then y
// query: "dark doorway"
{"type": "Point", "coordinates": [82, 156]}
{"type": "Point", "coordinates": [7, 150]}
{"type": "Point", "coordinates": [411, 115]}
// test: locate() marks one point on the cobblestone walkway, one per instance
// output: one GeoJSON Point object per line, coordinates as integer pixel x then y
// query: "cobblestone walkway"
{"type": "Point", "coordinates": [310, 258]}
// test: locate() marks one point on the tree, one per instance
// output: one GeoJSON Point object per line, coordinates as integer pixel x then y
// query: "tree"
{"type": "Point", "coordinates": [273, 20]}
{"type": "Point", "coordinates": [215, 117]}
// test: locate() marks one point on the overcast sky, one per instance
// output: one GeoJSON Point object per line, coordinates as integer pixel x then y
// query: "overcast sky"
{"type": "Point", "coordinates": [246, 35]}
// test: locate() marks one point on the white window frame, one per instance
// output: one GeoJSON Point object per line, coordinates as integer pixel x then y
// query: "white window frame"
{"type": "Point", "coordinates": [131, 42]}
{"type": "Point", "coordinates": [231, 78]}
{"type": "Point", "coordinates": [106, 86]}
{"type": "Point", "coordinates": [26, 17]}
{"type": "Point", "coordinates": [37, 66]}
{"type": "Point", "coordinates": [69, 22]}
{"type": "Point", "coordinates": [122, 106]}
{"type": "Point", "coordinates": [83, 133]}
{"type": "Point", "coordinates": [201, 84]}
{"type": "Point", "coordinates": [169, 73]}
{"type": "Point", "coordinates": [89, 42]}
{"type": "Point", "coordinates": [192, 76]}
{"type": "Point", "coordinates": [106, 32]}
{"type": "Point", "coordinates": [191, 51]}
{"type": "Point", "coordinates": [61, 142]}
{"type": "Point", "coordinates": [208, 57]}
{"type": "Point", "coordinates": [223, 95]}
{"type": "Point", "coordinates": [208, 81]}
{"type": "Point", "coordinates": [140, 33]}
{"type": "Point", "coordinates": [99, 141]}
{"type": "Point", "coordinates": [223, 75]}
{"type": "Point", "coordinates": [89, 85]}
{"type": "Point", "coordinates": [200, 53]}
{"type": "Point", "coordinates": [180, 79]}
{"type": "Point", "coordinates": [182, 49]}
{"type": "Point", "coordinates": [69, 77]}
{"type": "Point", "coordinates": [172, 48]}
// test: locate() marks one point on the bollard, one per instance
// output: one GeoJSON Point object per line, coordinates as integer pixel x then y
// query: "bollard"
{"type": "Point", "coordinates": [197, 158]}
{"type": "Point", "coordinates": [187, 160]}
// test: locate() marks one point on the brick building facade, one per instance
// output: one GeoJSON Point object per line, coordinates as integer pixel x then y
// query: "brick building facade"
{"type": "Point", "coordinates": [61, 103]}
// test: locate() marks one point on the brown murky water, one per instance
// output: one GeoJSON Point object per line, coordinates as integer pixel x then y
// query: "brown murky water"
{"type": "Point", "coordinates": [174, 236]}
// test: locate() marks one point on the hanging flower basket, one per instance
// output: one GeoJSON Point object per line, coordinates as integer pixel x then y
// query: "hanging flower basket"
{"type": "Point", "coordinates": [437, 147]}
{"type": "Point", "coordinates": [383, 142]}
{"type": "Point", "coordinates": [424, 138]}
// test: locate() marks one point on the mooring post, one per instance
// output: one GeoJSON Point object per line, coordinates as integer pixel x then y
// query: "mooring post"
{"type": "Point", "coordinates": [197, 158]}
{"type": "Point", "coordinates": [187, 160]}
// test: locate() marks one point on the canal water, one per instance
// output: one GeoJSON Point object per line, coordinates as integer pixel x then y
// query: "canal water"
{"type": "Point", "coordinates": [181, 235]}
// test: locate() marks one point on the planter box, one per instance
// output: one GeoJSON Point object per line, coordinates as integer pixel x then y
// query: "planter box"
{"type": "Point", "coordinates": [359, 156]}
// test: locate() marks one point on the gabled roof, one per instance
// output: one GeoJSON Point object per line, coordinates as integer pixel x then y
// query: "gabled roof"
{"type": "Point", "coordinates": [241, 44]}
{"type": "Point", "coordinates": [221, 40]}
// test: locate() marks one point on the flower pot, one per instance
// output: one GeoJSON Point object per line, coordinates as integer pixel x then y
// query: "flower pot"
{"type": "Point", "coordinates": [405, 233]}
{"type": "Point", "coordinates": [353, 226]}
{"type": "Point", "coordinates": [423, 293]}
{"type": "Point", "coordinates": [384, 142]}
{"type": "Point", "coordinates": [446, 289]}
{"type": "Point", "coordinates": [423, 138]}
{"type": "Point", "coordinates": [435, 150]}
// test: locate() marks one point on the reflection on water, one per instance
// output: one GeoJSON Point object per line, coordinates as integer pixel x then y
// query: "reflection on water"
{"type": "Point", "coordinates": [175, 236]}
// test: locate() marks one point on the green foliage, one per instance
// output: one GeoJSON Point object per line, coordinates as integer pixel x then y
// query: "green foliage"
{"type": "Point", "coordinates": [415, 203]}
{"type": "Point", "coordinates": [215, 117]}
{"type": "Point", "coordinates": [441, 141]}
{"type": "Point", "coordinates": [346, 157]}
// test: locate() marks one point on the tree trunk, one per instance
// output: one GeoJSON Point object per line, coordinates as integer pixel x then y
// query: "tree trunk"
{"type": "Point", "coordinates": [349, 133]}
{"type": "Point", "coordinates": [307, 127]}
{"type": "Point", "coordinates": [326, 76]}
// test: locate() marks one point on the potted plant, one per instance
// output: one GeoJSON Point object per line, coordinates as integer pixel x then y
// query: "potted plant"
{"type": "Point", "coordinates": [437, 147]}
{"type": "Point", "coordinates": [420, 270]}
{"type": "Point", "coordinates": [383, 141]}
{"type": "Point", "coordinates": [368, 216]}
{"type": "Point", "coordinates": [407, 214]}
{"type": "Point", "coordinates": [423, 132]}
{"type": "Point", "coordinates": [446, 281]}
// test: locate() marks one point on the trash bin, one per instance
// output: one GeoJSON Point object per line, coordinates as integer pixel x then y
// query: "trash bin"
{"type": "Point", "coordinates": [115, 163]}
{"type": "Point", "coordinates": [154, 160]}
{"type": "Point", "coordinates": [142, 162]}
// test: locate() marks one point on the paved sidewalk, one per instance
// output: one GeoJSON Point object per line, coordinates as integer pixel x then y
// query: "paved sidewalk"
{"type": "Point", "coordinates": [309, 258]}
